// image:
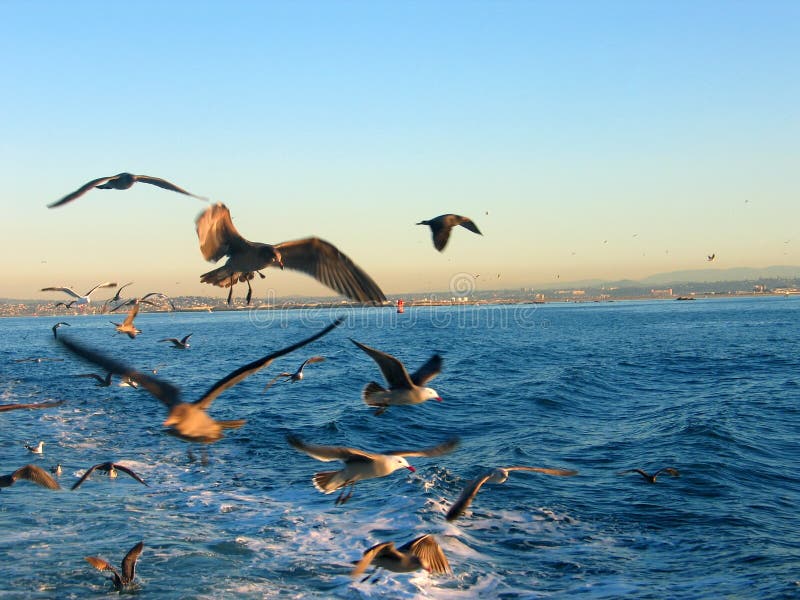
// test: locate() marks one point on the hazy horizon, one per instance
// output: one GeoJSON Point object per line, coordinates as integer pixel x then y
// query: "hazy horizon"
{"type": "Point", "coordinates": [605, 141]}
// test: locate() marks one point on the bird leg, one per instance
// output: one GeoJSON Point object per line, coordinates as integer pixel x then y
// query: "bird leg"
{"type": "Point", "coordinates": [249, 291]}
{"type": "Point", "coordinates": [261, 274]}
{"type": "Point", "coordinates": [344, 498]}
{"type": "Point", "coordinates": [230, 294]}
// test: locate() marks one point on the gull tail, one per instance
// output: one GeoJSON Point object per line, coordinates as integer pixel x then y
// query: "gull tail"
{"type": "Point", "coordinates": [223, 277]}
{"type": "Point", "coordinates": [370, 391]}
{"type": "Point", "coordinates": [327, 481]}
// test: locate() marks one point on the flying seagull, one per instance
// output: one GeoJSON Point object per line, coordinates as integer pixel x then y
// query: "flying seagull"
{"type": "Point", "coordinates": [497, 475]}
{"type": "Point", "coordinates": [38, 359]}
{"type": "Point", "coordinates": [111, 468]}
{"type": "Point", "coordinates": [128, 567]}
{"type": "Point", "coordinates": [441, 226]}
{"type": "Point", "coordinates": [69, 304]}
{"type": "Point", "coordinates": [652, 478]}
{"type": "Point", "coordinates": [127, 326]}
{"type": "Point", "coordinates": [297, 375]}
{"type": "Point", "coordinates": [403, 388]}
{"type": "Point", "coordinates": [711, 257]}
{"type": "Point", "coordinates": [420, 553]}
{"type": "Point", "coordinates": [360, 464]}
{"type": "Point", "coordinates": [30, 473]}
{"type": "Point", "coordinates": [189, 421]}
{"type": "Point", "coordinates": [181, 344]}
{"type": "Point", "coordinates": [80, 300]}
{"type": "Point", "coordinates": [7, 407]}
{"type": "Point", "coordinates": [123, 181]}
{"type": "Point", "coordinates": [57, 325]}
{"type": "Point", "coordinates": [313, 256]}
{"type": "Point", "coordinates": [118, 296]}
{"type": "Point", "coordinates": [101, 381]}
{"type": "Point", "coordinates": [38, 449]}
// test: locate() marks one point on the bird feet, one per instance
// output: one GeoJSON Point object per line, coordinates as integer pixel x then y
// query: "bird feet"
{"type": "Point", "coordinates": [345, 497]}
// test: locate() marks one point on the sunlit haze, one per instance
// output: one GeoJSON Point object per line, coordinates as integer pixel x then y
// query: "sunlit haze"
{"type": "Point", "coordinates": [602, 140]}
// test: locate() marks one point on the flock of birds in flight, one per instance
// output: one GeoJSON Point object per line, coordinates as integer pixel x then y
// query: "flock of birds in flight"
{"type": "Point", "coordinates": [190, 421]}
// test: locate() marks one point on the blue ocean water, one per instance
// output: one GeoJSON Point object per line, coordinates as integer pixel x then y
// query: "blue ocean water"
{"type": "Point", "coordinates": [709, 387]}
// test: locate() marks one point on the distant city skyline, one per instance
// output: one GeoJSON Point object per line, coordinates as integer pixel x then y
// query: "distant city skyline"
{"type": "Point", "coordinates": [610, 140]}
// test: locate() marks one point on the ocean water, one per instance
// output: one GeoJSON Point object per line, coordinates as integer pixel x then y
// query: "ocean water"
{"type": "Point", "coordinates": [710, 387]}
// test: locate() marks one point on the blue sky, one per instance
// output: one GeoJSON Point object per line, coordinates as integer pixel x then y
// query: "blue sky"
{"type": "Point", "coordinates": [574, 125]}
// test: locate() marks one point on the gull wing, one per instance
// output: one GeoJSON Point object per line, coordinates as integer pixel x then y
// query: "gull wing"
{"type": "Point", "coordinates": [428, 371]}
{"type": "Point", "coordinates": [93, 376]}
{"type": "Point", "coordinates": [275, 379]}
{"type": "Point", "coordinates": [66, 290]}
{"type": "Point", "coordinates": [242, 372]}
{"type": "Point", "coordinates": [164, 184]}
{"type": "Point", "coordinates": [370, 554]}
{"type": "Point", "coordinates": [639, 471]}
{"type": "Point", "coordinates": [311, 361]}
{"type": "Point", "coordinates": [393, 370]}
{"type": "Point", "coordinates": [159, 295]}
{"type": "Point", "coordinates": [164, 391]}
{"type": "Point", "coordinates": [438, 450]}
{"type": "Point", "coordinates": [7, 407]}
{"type": "Point", "coordinates": [668, 470]}
{"type": "Point", "coordinates": [128, 471]}
{"type": "Point", "coordinates": [468, 223]}
{"type": "Point", "coordinates": [440, 232]}
{"type": "Point", "coordinates": [429, 553]}
{"type": "Point", "coordinates": [329, 453]}
{"type": "Point", "coordinates": [131, 315]}
{"type": "Point", "coordinates": [107, 284]}
{"type": "Point", "coordinates": [185, 339]}
{"type": "Point", "coordinates": [80, 191]}
{"type": "Point", "coordinates": [557, 472]}
{"type": "Point", "coordinates": [216, 233]}
{"type": "Point", "coordinates": [89, 471]}
{"type": "Point", "coordinates": [325, 263]}
{"type": "Point", "coordinates": [129, 562]}
{"type": "Point", "coordinates": [467, 496]}
{"type": "Point", "coordinates": [37, 475]}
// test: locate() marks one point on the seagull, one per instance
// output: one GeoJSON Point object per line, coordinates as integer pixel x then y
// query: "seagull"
{"type": "Point", "coordinates": [117, 297]}
{"type": "Point", "coordinates": [38, 359]}
{"type": "Point", "coordinates": [38, 449]}
{"type": "Point", "coordinates": [30, 473]}
{"type": "Point", "coordinates": [101, 381]}
{"type": "Point", "coordinates": [420, 553]}
{"type": "Point", "coordinates": [80, 300]}
{"type": "Point", "coordinates": [127, 325]}
{"type": "Point", "coordinates": [131, 301]}
{"type": "Point", "coordinates": [128, 567]}
{"type": "Point", "coordinates": [189, 421]}
{"type": "Point", "coordinates": [403, 388]}
{"type": "Point", "coordinates": [313, 256]}
{"type": "Point", "coordinates": [297, 375]}
{"type": "Point", "coordinates": [57, 325]}
{"type": "Point", "coordinates": [360, 464]}
{"type": "Point", "coordinates": [711, 257]}
{"type": "Point", "coordinates": [7, 407]}
{"type": "Point", "coordinates": [112, 469]}
{"type": "Point", "coordinates": [441, 226]}
{"type": "Point", "coordinates": [652, 478]}
{"type": "Point", "coordinates": [123, 181]}
{"type": "Point", "coordinates": [69, 304]}
{"type": "Point", "coordinates": [181, 344]}
{"type": "Point", "coordinates": [497, 475]}
{"type": "Point", "coordinates": [57, 470]}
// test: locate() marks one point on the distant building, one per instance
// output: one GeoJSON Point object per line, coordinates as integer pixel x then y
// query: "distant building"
{"type": "Point", "coordinates": [667, 292]}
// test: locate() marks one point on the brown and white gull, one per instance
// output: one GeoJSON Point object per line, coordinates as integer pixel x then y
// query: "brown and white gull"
{"type": "Point", "coordinates": [441, 226]}
{"type": "Point", "coordinates": [188, 421]}
{"type": "Point", "coordinates": [30, 473]}
{"type": "Point", "coordinates": [111, 468]}
{"type": "Point", "coordinates": [122, 181]}
{"type": "Point", "coordinates": [80, 300]}
{"type": "Point", "coordinates": [312, 256]}
{"type": "Point", "coordinates": [403, 389]}
{"type": "Point", "coordinates": [127, 327]}
{"type": "Point", "coordinates": [360, 464]}
{"type": "Point", "coordinates": [420, 553]}
{"type": "Point", "coordinates": [652, 478]}
{"type": "Point", "coordinates": [297, 375]}
{"type": "Point", "coordinates": [37, 449]}
{"type": "Point", "coordinates": [497, 475]}
{"type": "Point", "coordinates": [123, 580]}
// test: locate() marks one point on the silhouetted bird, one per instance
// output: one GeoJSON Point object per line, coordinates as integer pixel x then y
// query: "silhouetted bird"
{"type": "Point", "coordinates": [123, 181]}
{"type": "Point", "coordinates": [313, 256]}
{"type": "Point", "coordinates": [652, 478]}
{"type": "Point", "coordinates": [110, 468]}
{"type": "Point", "coordinates": [441, 226]}
{"type": "Point", "coordinates": [128, 567]}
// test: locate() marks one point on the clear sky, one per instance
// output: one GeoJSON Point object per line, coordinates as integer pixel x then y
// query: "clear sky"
{"type": "Point", "coordinates": [604, 139]}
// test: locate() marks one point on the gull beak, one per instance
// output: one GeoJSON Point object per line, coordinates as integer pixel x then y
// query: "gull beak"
{"type": "Point", "coordinates": [410, 468]}
{"type": "Point", "coordinates": [438, 399]}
